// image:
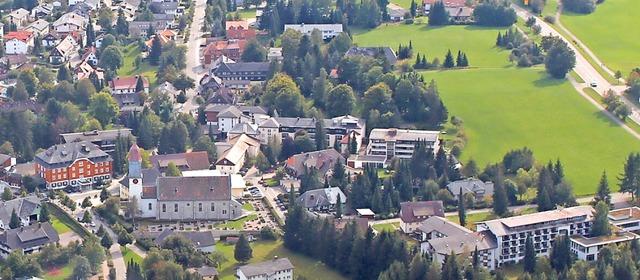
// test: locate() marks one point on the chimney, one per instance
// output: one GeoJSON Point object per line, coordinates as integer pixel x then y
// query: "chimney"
{"type": "Point", "coordinates": [392, 131]}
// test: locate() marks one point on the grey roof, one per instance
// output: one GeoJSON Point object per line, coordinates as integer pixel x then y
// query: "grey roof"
{"type": "Point", "coordinates": [163, 17]}
{"type": "Point", "coordinates": [70, 18]}
{"type": "Point", "coordinates": [391, 134]}
{"type": "Point", "coordinates": [474, 186]}
{"type": "Point", "coordinates": [270, 122]}
{"type": "Point", "coordinates": [20, 106]}
{"type": "Point", "coordinates": [321, 197]}
{"type": "Point", "coordinates": [504, 226]}
{"type": "Point", "coordinates": [267, 268]}
{"type": "Point", "coordinates": [442, 225]}
{"type": "Point", "coordinates": [245, 128]}
{"type": "Point", "coordinates": [346, 121]}
{"type": "Point", "coordinates": [373, 52]}
{"type": "Point", "coordinates": [194, 188]}
{"type": "Point", "coordinates": [230, 112]}
{"type": "Point", "coordinates": [4, 158]}
{"type": "Point", "coordinates": [207, 271]}
{"type": "Point", "coordinates": [199, 238]}
{"type": "Point", "coordinates": [184, 161]}
{"type": "Point", "coordinates": [467, 242]}
{"type": "Point", "coordinates": [96, 135]}
{"type": "Point", "coordinates": [322, 161]}
{"type": "Point", "coordinates": [369, 158]}
{"type": "Point", "coordinates": [416, 211]}
{"type": "Point", "coordinates": [163, 6]}
{"type": "Point", "coordinates": [244, 67]}
{"type": "Point", "coordinates": [149, 177]}
{"type": "Point", "coordinates": [24, 207]}
{"type": "Point", "coordinates": [243, 109]}
{"type": "Point", "coordinates": [70, 152]}
{"type": "Point", "coordinates": [38, 234]}
{"type": "Point", "coordinates": [397, 13]}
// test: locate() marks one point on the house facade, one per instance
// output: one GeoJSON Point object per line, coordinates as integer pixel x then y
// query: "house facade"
{"type": "Point", "coordinates": [479, 189]}
{"type": "Point", "coordinates": [73, 164]}
{"type": "Point", "coordinates": [412, 214]}
{"type": "Point", "coordinates": [239, 30]}
{"type": "Point", "coordinates": [233, 159]}
{"type": "Point", "coordinates": [337, 129]}
{"type": "Point", "coordinates": [322, 199]}
{"type": "Point", "coordinates": [249, 71]}
{"type": "Point", "coordinates": [394, 142]}
{"type": "Point", "coordinates": [232, 49]}
{"type": "Point", "coordinates": [127, 85]}
{"type": "Point", "coordinates": [328, 31]}
{"type": "Point", "coordinates": [18, 42]}
{"type": "Point", "coordinates": [69, 22]}
{"type": "Point", "coordinates": [29, 239]}
{"type": "Point", "coordinates": [276, 269]}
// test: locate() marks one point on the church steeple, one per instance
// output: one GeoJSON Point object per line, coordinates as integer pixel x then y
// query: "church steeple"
{"type": "Point", "coordinates": [135, 162]}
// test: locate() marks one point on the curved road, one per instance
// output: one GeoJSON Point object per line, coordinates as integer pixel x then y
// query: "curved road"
{"type": "Point", "coordinates": [584, 69]}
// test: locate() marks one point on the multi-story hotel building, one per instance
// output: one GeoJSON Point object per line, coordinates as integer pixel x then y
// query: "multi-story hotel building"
{"type": "Point", "coordinates": [79, 164]}
{"type": "Point", "coordinates": [393, 142]}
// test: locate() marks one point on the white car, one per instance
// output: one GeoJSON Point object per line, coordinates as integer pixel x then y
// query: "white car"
{"type": "Point", "coordinates": [593, 84]}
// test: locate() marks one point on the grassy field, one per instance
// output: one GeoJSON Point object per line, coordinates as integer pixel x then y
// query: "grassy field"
{"type": "Point", "coordinates": [611, 42]}
{"type": "Point", "coordinates": [58, 273]}
{"type": "Point", "coordinates": [248, 207]}
{"type": "Point", "coordinates": [130, 52]}
{"type": "Point", "coordinates": [477, 42]}
{"type": "Point", "coordinates": [247, 14]}
{"type": "Point", "coordinates": [511, 109]}
{"type": "Point", "coordinates": [237, 225]}
{"type": "Point", "coordinates": [266, 250]}
{"type": "Point", "coordinates": [59, 226]}
{"type": "Point", "coordinates": [473, 218]}
{"type": "Point", "coordinates": [128, 254]}
{"type": "Point", "coordinates": [405, 3]}
{"type": "Point", "coordinates": [387, 227]}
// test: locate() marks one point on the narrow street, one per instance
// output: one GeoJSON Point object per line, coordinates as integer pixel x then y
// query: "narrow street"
{"type": "Point", "coordinates": [194, 69]}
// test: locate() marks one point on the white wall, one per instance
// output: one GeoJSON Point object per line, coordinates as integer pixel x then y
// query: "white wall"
{"type": "Point", "coordinates": [16, 46]}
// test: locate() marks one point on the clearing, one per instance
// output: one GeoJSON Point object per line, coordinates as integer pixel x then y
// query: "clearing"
{"type": "Point", "coordinates": [387, 227]}
{"type": "Point", "coordinates": [606, 32]}
{"type": "Point", "coordinates": [266, 250]}
{"type": "Point", "coordinates": [128, 255]}
{"type": "Point", "coordinates": [129, 53]}
{"type": "Point", "coordinates": [58, 273]}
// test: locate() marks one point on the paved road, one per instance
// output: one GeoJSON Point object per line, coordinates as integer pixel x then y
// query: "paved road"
{"type": "Point", "coordinates": [116, 254]}
{"type": "Point", "coordinates": [194, 68]}
{"type": "Point", "coordinates": [583, 68]}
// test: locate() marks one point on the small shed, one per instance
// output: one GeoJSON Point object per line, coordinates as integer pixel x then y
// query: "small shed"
{"type": "Point", "coordinates": [366, 213]}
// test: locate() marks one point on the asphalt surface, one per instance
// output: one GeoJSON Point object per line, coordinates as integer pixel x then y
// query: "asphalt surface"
{"type": "Point", "coordinates": [194, 68]}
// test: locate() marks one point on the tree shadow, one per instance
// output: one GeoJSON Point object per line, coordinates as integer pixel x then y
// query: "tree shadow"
{"type": "Point", "coordinates": [545, 80]}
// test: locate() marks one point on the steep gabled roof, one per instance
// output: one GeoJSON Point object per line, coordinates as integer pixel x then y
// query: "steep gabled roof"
{"type": "Point", "coordinates": [209, 188]}
{"type": "Point", "coordinates": [38, 234]}
{"type": "Point", "coordinates": [411, 212]}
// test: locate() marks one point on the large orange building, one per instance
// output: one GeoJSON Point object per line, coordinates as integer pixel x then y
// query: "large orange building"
{"type": "Point", "coordinates": [78, 164]}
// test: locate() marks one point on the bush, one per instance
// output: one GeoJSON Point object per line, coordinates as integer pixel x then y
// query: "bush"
{"type": "Point", "coordinates": [145, 243]}
{"type": "Point", "coordinates": [268, 233]}
{"type": "Point", "coordinates": [550, 19]}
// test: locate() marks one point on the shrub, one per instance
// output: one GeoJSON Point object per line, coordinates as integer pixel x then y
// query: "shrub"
{"type": "Point", "coordinates": [145, 243]}
{"type": "Point", "coordinates": [550, 19]}
{"type": "Point", "coordinates": [268, 233]}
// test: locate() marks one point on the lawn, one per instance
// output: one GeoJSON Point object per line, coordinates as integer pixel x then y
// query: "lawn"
{"type": "Point", "coordinates": [58, 274]}
{"type": "Point", "coordinates": [237, 225]}
{"type": "Point", "coordinates": [405, 3]}
{"type": "Point", "coordinates": [59, 226]}
{"type": "Point", "coordinates": [387, 227]}
{"type": "Point", "coordinates": [384, 173]}
{"type": "Point", "coordinates": [474, 218]}
{"type": "Point", "coordinates": [128, 254]}
{"type": "Point", "coordinates": [477, 42]}
{"type": "Point", "coordinates": [248, 207]}
{"type": "Point", "coordinates": [130, 52]}
{"type": "Point", "coordinates": [514, 108]}
{"type": "Point", "coordinates": [612, 42]}
{"type": "Point", "coordinates": [247, 14]}
{"type": "Point", "coordinates": [266, 250]}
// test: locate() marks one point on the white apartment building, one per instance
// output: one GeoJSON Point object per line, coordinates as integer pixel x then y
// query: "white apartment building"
{"type": "Point", "coordinates": [328, 30]}
{"type": "Point", "coordinates": [276, 269]}
{"type": "Point", "coordinates": [511, 233]}
{"type": "Point", "coordinates": [393, 142]}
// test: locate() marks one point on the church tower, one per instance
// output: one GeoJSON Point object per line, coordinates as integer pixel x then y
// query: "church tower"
{"type": "Point", "coordinates": [135, 172]}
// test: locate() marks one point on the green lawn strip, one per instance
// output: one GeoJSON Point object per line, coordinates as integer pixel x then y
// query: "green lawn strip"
{"type": "Point", "coordinates": [59, 226]}
{"type": "Point", "coordinates": [382, 173]}
{"type": "Point", "coordinates": [248, 207]}
{"type": "Point", "coordinates": [477, 42]}
{"type": "Point", "coordinates": [598, 98]}
{"type": "Point", "coordinates": [405, 3]}
{"type": "Point", "coordinates": [387, 227]}
{"type": "Point", "coordinates": [130, 52]}
{"type": "Point", "coordinates": [247, 14]}
{"type": "Point", "coordinates": [550, 8]}
{"type": "Point", "coordinates": [474, 218]}
{"type": "Point", "coordinates": [58, 274]}
{"type": "Point", "coordinates": [128, 255]}
{"type": "Point", "coordinates": [611, 42]}
{"type": "Point", "coordinates": [576, 77]}
{"type": "Point", "coordinates": [509, 109]}
{"type": "Point", "coordinates": [237, 224]}
{"type": "Point", "coordinates": [271, 182]}
{"type": "Point", "coordinates": [67, 220]}
{"type": "Point", "coordinates": [267, 250]}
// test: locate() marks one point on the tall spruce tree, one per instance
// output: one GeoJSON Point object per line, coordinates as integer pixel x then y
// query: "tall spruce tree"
{"type": "Point", "coordinates": [448, 60]}
{"type": "Point", "coordinates": [561, 256]}
{"type": "Point", "coordinates": [44, 213]}
{"type": "Point", "coordinates": [529, 255]}
{"type": "Point", "coordinates": [601, 225]}
{"type": "Point", "coordinates": [630, 180]}
{"type": "Point", "coordinates": [242, 252]}
{"type": "Point", "coordinates": [14, 221]}
{"type": "Point", "coordinates": [462, 213]}
{"type": "Point", "coordinates": [603, 193]}
{"type": "Point", "coordinates": [500, 202]}
{"type": "Point", "coordinates": [321, 135]}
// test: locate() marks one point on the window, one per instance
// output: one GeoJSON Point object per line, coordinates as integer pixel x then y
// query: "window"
{"type": "Point", "coordinates": [224, 212]}
{"type": "Point", "coordinates": [213, 207]}
{"type": "Point", "coordinates": [200, 207]}
{"type": "Point", "coordinates": [150, 206]}
{"type": "Point", "coordinates": [175, 207]}
{"type": "Point", "coordinates": [164, 208]}
{"type": "Point", "coordinates": [80, 164]}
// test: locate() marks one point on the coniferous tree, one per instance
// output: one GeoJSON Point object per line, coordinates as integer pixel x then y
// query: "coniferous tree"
{"type": "Point", "coordinates": [459, 59]}
{"type": "Point", "coordinates": [448, 60]}
{"type": "Point", "coordinates": [339, 207]}
{"type": "Point", "coordinates": [603, 193]}
{"type": "Point", "coordinates": [475, 261]}
{"type": "Point", "coordinates": [438, 14]}
{"type": "Point", "coordinates": [91, 34]}
{"type": "Point", "coordinates": [561, 253]}
{"type": "Point", "coordinates": [106, 241]}
{"type": "Point", "coordinates": [242, 252]}
{"type": "Point", "coordinates": [44, 215]}
{"type": "Point", "coordinates": [451, 269]}
{"type": "Point", "coordinates": [321, 135]}
{"type": "Point", "coordinates": [462, 213]}
{"type": "Point", "coordinates": [14, 221]}
{"type": "Point", "coordinates": [104, 194]}
{"type": "Point", "coordinates": [601, 225]}
{"type": "Point", "coordinates": [630, 180]}
{"type": "Point", "coordinates": [500, 202]}
{"type": "Point", "coordinates": [529, 255]}
{"type": "Point", "coordinates": [156, 51]}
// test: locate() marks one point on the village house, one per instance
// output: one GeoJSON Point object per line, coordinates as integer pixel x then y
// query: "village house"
{"type": "Point", "coordinates": [27, 209]}
{"type": "Point", "coordinates": [90, 56]}
{"type": "Point", "coordinates": [202, 240]}
{"type": "Point", "coordinates": [268, 270]}
{"type": "Point", "coordinates": [325, 199]}
{"type": "Point", "coordinates": [275, 54]}
{"type": "Point", "coordinates": [233, 158]}
{"type": "Point", "coordinates": [223, 95]}
{"type": "Point", "coordinates": [206, 272]}
{"type": "Point", "coordinates": [427, 4]}
{"type": "Point", "coordinates": [465, 244]}
{"type": "Point", "coordinates": [249, 71]}
{"type": "Point", "coordinates": [140, 28]}
{"type": "Point", "coordinates": [80, 164]}
{"type": "Point", "coordinates": [228, 115]}
{"type": "Point", "coordinates": [124, 90]}
{"type": "Point", "coordinates": [62, 52]}
{"type": "Point", "coordinates": [51, 39]}
{"type": "Point", "coordinates": [38, 27]}
{"type": "Point", "coordinates": [367, 161]}
{"type": "Point", "coordinates": [479, 189]}
{"type": "Point", "coordinates": [397, 14]}
{"type": "Point", "coordinates": [232, 49]}
{"type": "Point", "coordinates": [244, 128]}
{"type": "Point", "coordinates": [414, 213]}
{"type": "Point", "coordinates": [104, 139]}
{"type": "Point", "coordinates": [239, 30]}
{"type": "Point", "coordinates": [328, 31]}
{"type": "Point", "coordinates": [374, 52]}
{"type": "Point", "coordinates": [180, 198]}
{"type": "Point", "coordinates": [394, 142]}
{"type": "Point", "coordinates": [436, 227]}
{"type": "Point", "coordinates": [84, 70]}
{"type": "Point", "coordinates": [18, 42]}
{"type": "Point", "coordinates": [167, 8]}
{"type": "Point", "coordinates": [322, 162]}
{"type": "Point", "coordinates": [41, 10]}
{"type": "Point", "coordinates": [28, 239]}
{"type": "Point", "coordinates": [20, 17]}
{"type": "Point", "coordinates": [69, 22]}
{"type": "Point", "coordinates": [459, 14]}
{"type": "Point", "coordinates": [184, 161]}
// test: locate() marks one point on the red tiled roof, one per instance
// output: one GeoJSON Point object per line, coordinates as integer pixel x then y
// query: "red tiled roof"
{"type": "Point", "coordinates": [134, 153]}
{"type": "Point", "coordinates": [225, 45]}
{"type": "Point", "coordinates": [89, 51]}
{"type": "Point", "coordinates": [21, 35]}
{"type": "Point", "coordinates": [237, 24]}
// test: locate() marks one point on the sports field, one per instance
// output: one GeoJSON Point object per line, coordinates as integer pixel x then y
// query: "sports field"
{"type": "Point", "coordinates": [609, 32]}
